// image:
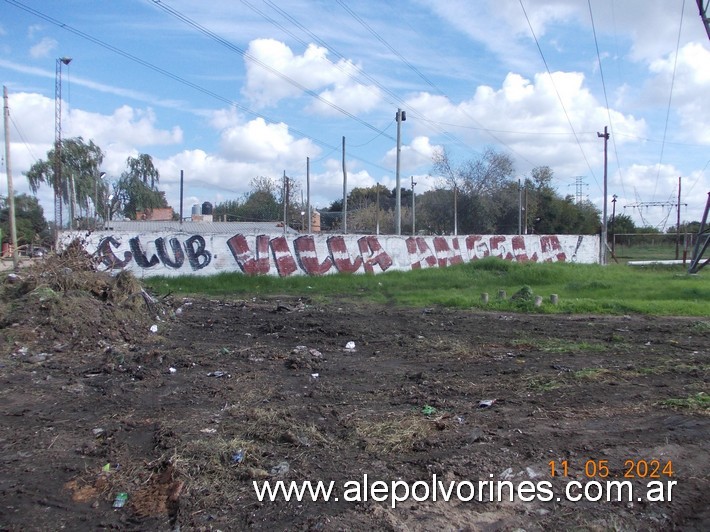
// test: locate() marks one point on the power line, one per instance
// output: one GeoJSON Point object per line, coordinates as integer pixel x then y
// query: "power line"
{"type": "Point", "coordinates": [670, 98]}
{"type": "Point", "coordinates": [177, 78]}
{"type": "Point", "coordinates": [426, 80]}
{"type": "Point", "coordinates": [397, 101]}
{"type": "Point", "coordinates": [195, 25]}
{"type": "Point", "coordinates": [606, 98]}
{"type": "Point", "coordinates": [559, 97]}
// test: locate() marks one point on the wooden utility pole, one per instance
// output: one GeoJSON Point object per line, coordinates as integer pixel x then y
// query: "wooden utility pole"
{"type": "Point", "coordinates": [377, 212]}
{"type": "Point", "coordinates": [308, 195]}
{"type": "Point", "coordinates": [677, 224]}
{"type": "Point", "coordinates": [345, 193]}
{"type": "Point", "coordinates": [602, 251]}
{"type": "Point", "coordinates": [286, 193]}
{"type": "Point", "coordinates": [414, 217]}
{"type": "Point", "coordinates": [10, 189]}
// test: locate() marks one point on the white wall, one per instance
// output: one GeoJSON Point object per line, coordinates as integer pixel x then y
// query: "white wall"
{"type": "Point", "coordinates": [171, 254]}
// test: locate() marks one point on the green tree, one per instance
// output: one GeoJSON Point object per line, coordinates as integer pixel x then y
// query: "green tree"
{"type": "Point", "coordinates": [142, 168]}
{"type": "Point", "coordinates": [435, 211]}
{"type": "Point", "coordinates": [623, 224]}
{"type": "Point", "coordinates": [31, 225]}
{"type": "Point", "coordinates": [132, 192]}
{"type": "Point", "coordinates": [262, 204]}
{"type": "Point", "coordinates": [479, 183]}
{"type": "Point", "coordinates": [80, 177]}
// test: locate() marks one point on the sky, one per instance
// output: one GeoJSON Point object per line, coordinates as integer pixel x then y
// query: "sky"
{"type": "Point", "coordinates": [229, 90]}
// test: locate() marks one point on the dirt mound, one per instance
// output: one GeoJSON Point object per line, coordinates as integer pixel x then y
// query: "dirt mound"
{"type": "Point", "coordinates": [64, 303]}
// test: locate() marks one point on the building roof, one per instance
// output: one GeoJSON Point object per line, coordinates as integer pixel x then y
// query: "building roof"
{"type": "Point", "coordinates": [187, 226]}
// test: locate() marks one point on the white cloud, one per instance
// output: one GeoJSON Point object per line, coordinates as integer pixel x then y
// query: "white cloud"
{"type": "Point", "coordinates": [257, 141]}
{"type": "Point", "coordinates": [528, 119]}
{"type": "Point", "coordinates": [43, 48]}
{"type": "Point", "coordinates": [417, 153]}
{"type": "Point", "coordinates": [274, 72]}
{"type": "Point", "coordinates": [690, 88]}
{"type": "Point", "coordinates": [126, 126]}
{"type": "Point", "coordinates": [33, 30]}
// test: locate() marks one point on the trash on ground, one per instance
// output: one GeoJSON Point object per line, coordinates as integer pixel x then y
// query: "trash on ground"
{"type": "Point", "coordinates": [208, 431]}
{"type": "Point", "coordinates": [350, 346]}
{"type": "Point", "coordinates": [172, 370]}
{"type": "Point", "coordinates": [315, 375]}
{"type": "Point", "coordinates": [218, 374]}
{"type": "Point", "coordinates": [154, 328]}
{"type": "Point", "coordinates": [486, 403]}
{"type": "Point", "coordinates": [238, 457]}
{"type": "Point", "coordinates": [120, 500]}
{"type": "Point", "coordinates": [280, 469]}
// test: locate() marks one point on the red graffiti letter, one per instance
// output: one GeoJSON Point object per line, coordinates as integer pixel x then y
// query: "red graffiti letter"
{"type": "Point", "coordinates": [244, 256]}
{"type": "Point", "coordinates": [549, 244]}
{"type": "Point", "coordinates": [285, 264]}
{"type": "Point", "coordinates": [418, 245]}
{"type": "Point", "coordinates": [477, 249]}
{"type": "Point", "coordinates": [519, 250]}
{"type": "Point", "coordinates": [444, 252]}
{"type": "Point", "coordinates": [341, 258]}
{"type": "Point", "coordinates": [307, 256]}
{"type": "Point", "coordinates": [378, 256]}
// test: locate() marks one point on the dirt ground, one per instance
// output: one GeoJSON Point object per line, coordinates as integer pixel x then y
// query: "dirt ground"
{"type": "Point", "coordinates": [185, 417]}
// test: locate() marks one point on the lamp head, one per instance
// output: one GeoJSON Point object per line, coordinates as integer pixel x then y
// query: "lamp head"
{"type": "Point", "coordinates": [65, 60]}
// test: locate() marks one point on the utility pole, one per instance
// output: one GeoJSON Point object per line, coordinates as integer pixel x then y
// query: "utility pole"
{"type": "Point", "coordinates": [345, 193]}
{"type": "Point", "coordinates": [677, 224]}
{"type": "Point", "coordinates": [401, 117]}
{"type": "Point", "coordinates": [520, 208]}
{"type": "Point", "coordinates": [456, 210]}
{"type": "Point", "coordinates": [377, 213]}
{"type": "Point", "coordinates": [308, 195]}
{"type": "Point", "coordinates": [414, 217]}
{"type": "Point", "coordinates": [182, 189]}
{"type": "Point", "coordinates": [613, 219]}
{"type": "Point", "coordinates": [602, 251]}
{"type": "Point", "coordinates": [10, 189]}
{"type": "Point", "coordinates": [285, 189]}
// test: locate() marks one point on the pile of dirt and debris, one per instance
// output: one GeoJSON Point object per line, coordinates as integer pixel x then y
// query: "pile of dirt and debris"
{"type": "Point", "coordinates": [64, 303]}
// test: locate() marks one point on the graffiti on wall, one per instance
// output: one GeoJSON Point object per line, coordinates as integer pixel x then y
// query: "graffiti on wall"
{"type": "Point", "coordinates": [316, 255]}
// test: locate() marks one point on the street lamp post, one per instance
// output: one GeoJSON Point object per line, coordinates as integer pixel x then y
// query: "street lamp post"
{"type": "Point", "coordinates": [401, 117]}
{"type": "Point", "coordinates": [414, 217]}
{"type": "Point", "coordinates": [58, 142]}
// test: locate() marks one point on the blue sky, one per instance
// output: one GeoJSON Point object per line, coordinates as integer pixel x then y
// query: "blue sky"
{"type": "Point", "coordinates": [229, 90]}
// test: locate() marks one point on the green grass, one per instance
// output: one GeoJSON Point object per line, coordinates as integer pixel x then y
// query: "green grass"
{"type": "Point", "coordinates": [581, 288]}
{"type": "Point", "coordinates": [698, 402]}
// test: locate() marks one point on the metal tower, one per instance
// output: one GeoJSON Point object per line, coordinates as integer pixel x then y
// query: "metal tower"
{"type": "Point", "coordinates": [58, 142]}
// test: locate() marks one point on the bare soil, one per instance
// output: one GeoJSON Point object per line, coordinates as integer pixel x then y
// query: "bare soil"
{"type": "Point", "coordinates": [227, 392]}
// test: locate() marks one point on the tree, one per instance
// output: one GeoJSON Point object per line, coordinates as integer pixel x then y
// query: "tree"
{"type": "Point", "coordinates": [477, 182]}
{"type": "Point", "coordinates": [142, 168]}
{"type": "Point", "coordinates": [80, 177]}
{"type": "Point", "coordinates": [435, 211]}
{"type": "Point", "coordinates": [132, 192]}
{"type": "Point", "coordinates": [623, 224]}
{"type": "Point", "coordinates": [29, 219]}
